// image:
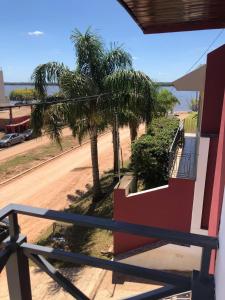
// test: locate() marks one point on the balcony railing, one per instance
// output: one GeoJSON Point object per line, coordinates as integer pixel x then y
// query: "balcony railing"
{"type": "Point", "coordinates": [178, 141]}
{"type": "Point", "coordinates": [15, 252]}
{"type": "Point", "coordinates": [182, 159]}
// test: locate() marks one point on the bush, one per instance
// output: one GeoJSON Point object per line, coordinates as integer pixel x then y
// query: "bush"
{"type": "Point", "coordinates": [23, 95]}
{"type": "Point", "coordinates": [150, 153]}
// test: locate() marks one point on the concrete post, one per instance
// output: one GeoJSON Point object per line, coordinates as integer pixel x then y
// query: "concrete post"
{"type": "Point", "coordinates": [2, 90]}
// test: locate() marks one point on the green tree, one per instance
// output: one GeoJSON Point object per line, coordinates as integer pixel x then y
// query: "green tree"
{"type": "Point", "coordinates": [165, 102]}
{"type": "Point", "coordinates": [98, 72]}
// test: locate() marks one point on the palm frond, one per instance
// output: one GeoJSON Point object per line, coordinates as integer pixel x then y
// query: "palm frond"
{"type": "Point", "coordinates": [54, 121]}
{"type": "Point", "coordinates": [74, 84]}
{"type": "Point", "coordinates": [126, 81]}
{"type": "Point", "coordinates": [89, 50]}
{"type": "Point", "coordinates": [47, 73]}
{"type": "Point", "coordinates": [37, 119]}
{"type": "Point", "coordinates": [117, 59]}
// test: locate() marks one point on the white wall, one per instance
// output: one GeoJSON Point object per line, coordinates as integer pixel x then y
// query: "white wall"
{"type": "Point", "coordinates": [167, 257]}
{"type": "Point", "coordinates": [202, 161]}
{"type": "Point", "coordinates": [220, 261]}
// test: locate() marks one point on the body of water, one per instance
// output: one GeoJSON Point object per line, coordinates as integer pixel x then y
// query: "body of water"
{"type": "Point", "coordinates": [184, 97]}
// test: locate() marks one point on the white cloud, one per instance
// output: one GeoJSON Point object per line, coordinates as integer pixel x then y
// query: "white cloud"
{"type": "Point", "coordinates": [36, 33]}
{"type": "Point", "coordinates": [135, 57]}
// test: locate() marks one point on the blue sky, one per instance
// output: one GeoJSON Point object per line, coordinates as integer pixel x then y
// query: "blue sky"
{"type": "Point", "coordinates": [35, 32]}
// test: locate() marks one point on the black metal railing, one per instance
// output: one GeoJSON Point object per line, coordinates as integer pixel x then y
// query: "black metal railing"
{"type": "Point", "coordinates": [15, 252]}
{"type": "Point", "coordinates": [178, 142]}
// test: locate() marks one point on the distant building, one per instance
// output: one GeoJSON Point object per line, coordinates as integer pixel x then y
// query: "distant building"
{"type": "Point", "coordinates": [3, 99]}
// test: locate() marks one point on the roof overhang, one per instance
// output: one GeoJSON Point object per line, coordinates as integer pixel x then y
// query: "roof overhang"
{"type": "Point", "coordinates": [158, 16]}
{"type": "Point", "coordinates": [193, 81]}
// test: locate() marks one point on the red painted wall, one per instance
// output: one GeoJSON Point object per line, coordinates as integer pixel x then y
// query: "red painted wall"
{"type": "Point", "coordinates": [214, 91]}
{"type": "Point", "coordinates": [16, 125]}
{"type": "Point", "coordinates": [218, 185]}
{"type": "Point", "coordinates": [17, 120]}
{"type": "Point", "coordinates": [169, 208]}
{"type": "Point", "coordinates": [209, 182]}
{"type": "Point", "coordinates": [211, 120]}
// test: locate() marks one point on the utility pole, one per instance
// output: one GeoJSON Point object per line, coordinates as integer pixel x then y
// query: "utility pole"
{"type": "Point", "coordinates": [118, 143]}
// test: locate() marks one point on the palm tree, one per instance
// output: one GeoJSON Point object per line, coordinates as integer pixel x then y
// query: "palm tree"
{"type": "Point", "coordinates": [134, 96]}
{"type": "Point", "coordinates": [105, 73]}
{"type": "Point", "coordinates": [131, 119]}
{"type": "Point", "coordinates": [165, 102]}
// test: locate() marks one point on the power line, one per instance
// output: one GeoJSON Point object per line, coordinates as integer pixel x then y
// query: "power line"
{"type": "Point", "coordinates": [205, 52]}
{"type": "Point", "coordinates": [78, 99]}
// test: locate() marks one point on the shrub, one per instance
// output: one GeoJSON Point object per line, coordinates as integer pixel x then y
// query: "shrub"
{"type": "Point", "coordinates": [23, 95]}
{"type": "Point", "coordinates": [150, 153]}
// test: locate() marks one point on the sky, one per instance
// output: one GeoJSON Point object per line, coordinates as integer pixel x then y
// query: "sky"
{"type": "Point", "coordinates": [36, 32]}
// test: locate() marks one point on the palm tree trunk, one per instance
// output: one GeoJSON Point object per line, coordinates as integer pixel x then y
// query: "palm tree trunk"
{"type": "Point", "coordinates": [115, 149]}
{"type": "Point", "coordinates": [97, 191]}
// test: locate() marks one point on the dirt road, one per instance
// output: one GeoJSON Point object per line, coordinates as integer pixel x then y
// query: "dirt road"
{"type": "Point", "coordinates": [49, 185]}
{"type": "Point", "coordinates": [28, 145]}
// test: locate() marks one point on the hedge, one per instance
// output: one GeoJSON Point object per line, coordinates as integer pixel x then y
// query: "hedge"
{"type": "Point", "coordinates": [150, 153]}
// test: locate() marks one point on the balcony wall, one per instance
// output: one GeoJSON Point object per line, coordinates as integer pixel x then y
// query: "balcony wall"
{"type": "Point", "coordinates": [168, 207]}
{"type": "Point", "coordinates": [211, 121]}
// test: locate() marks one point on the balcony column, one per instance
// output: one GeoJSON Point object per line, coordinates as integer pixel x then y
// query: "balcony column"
{"type": "Point", "coordinates": [203, 286]}
{"type": "Point", "coordinates": [17, 267]}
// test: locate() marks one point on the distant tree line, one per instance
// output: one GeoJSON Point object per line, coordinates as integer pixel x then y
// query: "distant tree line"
{"type": "Point", "coordinates": [25, 95]}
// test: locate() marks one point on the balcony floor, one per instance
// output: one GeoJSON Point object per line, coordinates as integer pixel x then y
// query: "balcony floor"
{"type": "Point", "coordinates": [185, 164]}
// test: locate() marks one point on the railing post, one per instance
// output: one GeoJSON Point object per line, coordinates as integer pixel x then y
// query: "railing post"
{"type": "Point", "coordinates": [203, 282]}
{"type": "Point", "coordinates": [17, 267]}
{"type": "Point", "coordinates": [205, 262]}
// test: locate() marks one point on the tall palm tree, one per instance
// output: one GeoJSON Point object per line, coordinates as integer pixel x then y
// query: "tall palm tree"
{"type": "Point", "coordinates": [106, 73]}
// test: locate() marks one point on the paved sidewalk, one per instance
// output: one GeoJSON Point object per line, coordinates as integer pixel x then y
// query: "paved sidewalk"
{"type": "Point", "coordinates": [108, 290]}
{"type": "Point", "coordinates": [44, 288]}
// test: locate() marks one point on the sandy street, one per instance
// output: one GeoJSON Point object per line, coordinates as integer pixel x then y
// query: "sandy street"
{"type": "Point", "coordinates": [27, 145]}
{"type": "Point", "coordinates": [49, 185]}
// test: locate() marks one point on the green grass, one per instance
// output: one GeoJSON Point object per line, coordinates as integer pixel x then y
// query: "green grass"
{"type": "Point", "coordinates": [89, 241]}
{"type": "Point", "coordinates": [190, 123]}
{"type": "Point", "coordinates": [23, 162]}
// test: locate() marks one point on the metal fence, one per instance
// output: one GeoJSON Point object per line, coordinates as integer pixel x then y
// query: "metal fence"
{"type": "Point", "coordinates": [15, 252]}
{"type": "Point", "coordinates": [178, 142]}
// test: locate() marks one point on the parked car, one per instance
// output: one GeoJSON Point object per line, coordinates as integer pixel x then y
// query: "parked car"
{"type": "Point", "coordinates": [11, 139]}
{"type": "Point", "coordinates": [28, 134]}
{"type": "Point", "coordinates": [4, 229]}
